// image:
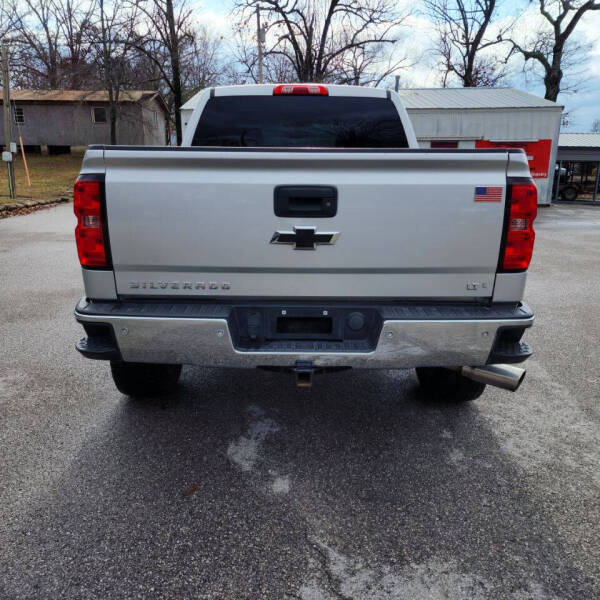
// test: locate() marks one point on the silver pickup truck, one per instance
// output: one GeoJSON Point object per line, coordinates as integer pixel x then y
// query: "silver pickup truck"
{"type": "Point", "coordinates": [301, 228]}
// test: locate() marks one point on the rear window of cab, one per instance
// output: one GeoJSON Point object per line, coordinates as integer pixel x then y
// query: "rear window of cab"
{"type": "Point", "coordinates": [300, 121]}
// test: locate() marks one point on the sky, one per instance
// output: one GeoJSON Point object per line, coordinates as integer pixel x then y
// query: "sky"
{"type": "Point", "coordinates": [583, 105]}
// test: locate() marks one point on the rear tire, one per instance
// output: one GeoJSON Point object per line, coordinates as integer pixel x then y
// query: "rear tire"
{"type": "Point", "coordinates": [438, 383]}
{"type": "Point", "coordinates": [144, 380]}
{"type": "Point", "coordinates": [570, 193]}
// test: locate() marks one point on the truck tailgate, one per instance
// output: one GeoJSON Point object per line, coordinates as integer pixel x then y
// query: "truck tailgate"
{"type": "Point", "coordinates": [199, 222]}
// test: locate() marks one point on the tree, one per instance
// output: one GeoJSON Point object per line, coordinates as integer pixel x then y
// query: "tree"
{"type": "Point", "coordinates": [317, 39]}
{"type": "Point", "coordinates": [167, 32]}
{"type": "Point", "coordinates": [596, 126]}
{"type": "Point", "coordinates": [275, 66]}
{"type": "Point", "coordinates": [368, 65]}
{"type": "Point", "coordinates": [201, 64]}
{"type": "Point", "coordinates": [549, 47]}
{"type": "Point", "coordinates": [53, 49]}
{"type": "Point", "coordinates": [463, 29]}
{"type": "Point", "coordinates": [113, 36]}
{"type": "Point", "coordinates": [75, 22]}
{"type": "Point", "coordinates": [6, 19]}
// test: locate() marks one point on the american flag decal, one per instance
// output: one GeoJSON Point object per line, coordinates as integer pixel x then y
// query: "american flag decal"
{"type": "Point", "coordinates": [488, 194]}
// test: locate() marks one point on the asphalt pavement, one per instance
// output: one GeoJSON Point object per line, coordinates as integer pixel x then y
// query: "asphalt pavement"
{"type": "Point", "coordinates": [242, 486]}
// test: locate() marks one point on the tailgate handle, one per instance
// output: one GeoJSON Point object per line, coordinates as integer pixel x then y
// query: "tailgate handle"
{"type": "Point", "coordinates": [313, 201]}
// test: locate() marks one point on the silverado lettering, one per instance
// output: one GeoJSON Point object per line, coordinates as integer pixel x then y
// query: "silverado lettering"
{"type": "Point", "coordinates": [175, 285]}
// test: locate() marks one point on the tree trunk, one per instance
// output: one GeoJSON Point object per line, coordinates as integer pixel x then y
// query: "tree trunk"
{"type": "Point", "coordinates": [553, 77]}
{"type": "Point", "coordinates": [176, 71]}
{"type": "Point", "coordinates": [468, 74]}
{"type": "Point", "coordinates": [108, 79]}
{"type": "Point", "coordinates": [552, 81]}
{"type": "Point", "coordinates": [112, 109]}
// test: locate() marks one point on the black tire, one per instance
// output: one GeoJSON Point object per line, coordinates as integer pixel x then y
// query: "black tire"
{"type": "Point", "coordinates": [144, 380]}
{"type": "Point", "coordinates": [570, 193]}
{"type": "Point", "coordinates": [447, 385]}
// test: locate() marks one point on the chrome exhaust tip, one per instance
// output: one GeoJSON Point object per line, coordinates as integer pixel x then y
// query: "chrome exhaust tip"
{"type": "Point", "coordinates": [506, 377]}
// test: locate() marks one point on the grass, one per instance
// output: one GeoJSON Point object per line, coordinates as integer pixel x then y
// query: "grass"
{"type": "Point", "coordinates": [51, 177]}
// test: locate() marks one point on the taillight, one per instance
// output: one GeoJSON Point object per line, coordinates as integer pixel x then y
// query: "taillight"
{"type": "Point", "coordinates": [288, 89]}
{"type": "Point", "coordinates": [89, 234]}
{"type": "Point", "coordinates": [520, 235]}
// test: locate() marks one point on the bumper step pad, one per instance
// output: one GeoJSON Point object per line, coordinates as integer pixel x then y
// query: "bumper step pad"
{"type": "Point", "coordinates": [98, 347]}
{"type": "Point", "coordinates": [510, 353]}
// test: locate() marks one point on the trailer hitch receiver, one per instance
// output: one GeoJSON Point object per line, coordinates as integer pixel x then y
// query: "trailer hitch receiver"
{"type": "Point", "coordinates": [304, 371]}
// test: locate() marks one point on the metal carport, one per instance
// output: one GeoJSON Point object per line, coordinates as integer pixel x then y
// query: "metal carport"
{"type": "Point", "coordinates": [578, 159]}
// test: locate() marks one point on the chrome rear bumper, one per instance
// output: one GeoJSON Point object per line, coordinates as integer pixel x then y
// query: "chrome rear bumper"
{"type": "Point", "coordinates": [402, 343]}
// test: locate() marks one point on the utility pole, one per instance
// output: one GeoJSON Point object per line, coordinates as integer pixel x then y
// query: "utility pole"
{"type": "Point", "coordinates": [7, 154]}
{"type": "Point", "coordinates": [259, 38]}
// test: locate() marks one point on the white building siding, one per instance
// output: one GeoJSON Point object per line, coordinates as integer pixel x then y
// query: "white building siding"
{"type": "Point", "coordinates": [154, 124]}
{"type": "Point", "coordinates": [466, 126]}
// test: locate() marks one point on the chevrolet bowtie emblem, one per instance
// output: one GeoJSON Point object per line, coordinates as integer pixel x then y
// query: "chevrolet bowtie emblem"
{"type": "Point", "coordinates": [304, 238]}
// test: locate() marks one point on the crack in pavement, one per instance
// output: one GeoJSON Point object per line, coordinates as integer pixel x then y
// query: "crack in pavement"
{"type": "Point", "coordinates": [350, 579]}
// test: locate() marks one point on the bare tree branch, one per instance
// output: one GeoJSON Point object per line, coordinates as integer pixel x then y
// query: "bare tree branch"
{"type": "Point", "coordinates": [54, 49]}
{"type": "Point", "coordinates": [463, 30]}
{"type": "Point", "coordinates": [552, 49]}
{"type": "Point", "coordinates": [165, 31]}
{"type": "Point", "coordinates": [320, 39]}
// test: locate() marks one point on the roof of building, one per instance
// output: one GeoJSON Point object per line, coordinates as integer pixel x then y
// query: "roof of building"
{"type": "Point", "coordinates": [465, 98]}
{"type": "Point", "coordinates": [82, 96]}
{"type": "Point", "coordinates": [579, 140]}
